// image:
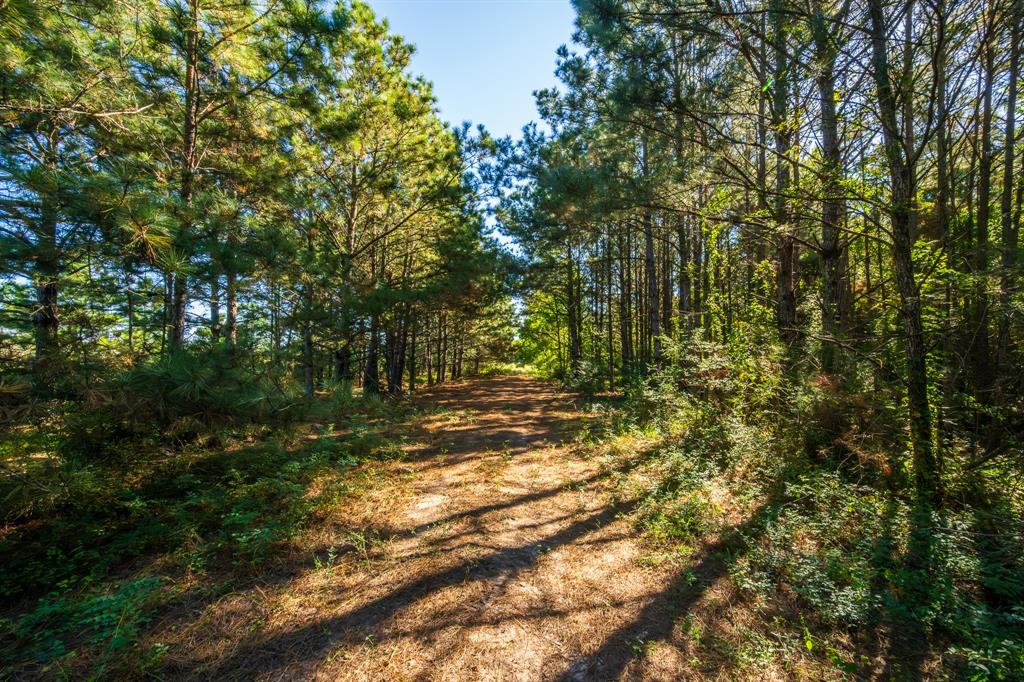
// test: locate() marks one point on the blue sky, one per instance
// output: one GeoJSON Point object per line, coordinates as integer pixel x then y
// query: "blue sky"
{"type": "Point", "coordinates": [485, 57]}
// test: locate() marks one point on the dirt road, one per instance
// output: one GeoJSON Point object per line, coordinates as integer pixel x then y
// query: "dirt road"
{"type": "Point", "coordinates": [493, 551]}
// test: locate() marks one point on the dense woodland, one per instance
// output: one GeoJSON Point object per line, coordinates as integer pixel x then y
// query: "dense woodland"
{"type": "Point", "coordinates": [806, 214]}
{"type": "Point", "coordinates": [778, 238]}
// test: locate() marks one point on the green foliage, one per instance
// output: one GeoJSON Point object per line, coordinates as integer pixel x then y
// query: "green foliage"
{"type": "Point", "coordinates": [822, 546]}
{"type": "Point", "coordinates": [543, 337]}
{"type": "Point", "coordinates": [175, 399]}
{"type": "Point", "coordinates": [837, 538]}
{"type": "Point", "coordinates": [109, 621]}
{"type": "Point", "coordinates": [677, 517]}
{"type": "Point", "coordinates": [210, 508]}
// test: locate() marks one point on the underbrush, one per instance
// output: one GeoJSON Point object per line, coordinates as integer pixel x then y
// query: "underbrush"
{"type": "Point", "coordinates": [805, 486]}
{"type": "Point", "coordinates": [493, 369]}
{"type": "Point", "coordinates": [105, 529]}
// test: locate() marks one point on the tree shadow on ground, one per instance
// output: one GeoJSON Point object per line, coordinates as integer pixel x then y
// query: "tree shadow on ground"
{"type": "Point", "coordinates": [901, 644]}
{"type": "Point", "coordinates": [657, 619]}
{"type": "Point", "coordinates": [267, 655]}
{"type": "Point", "coordinates": [512, 417]}
{"type": "Point", "coordinates": [498, 564]}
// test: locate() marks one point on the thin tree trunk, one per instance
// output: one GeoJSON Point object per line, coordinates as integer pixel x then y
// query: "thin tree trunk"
{"type": "Point", "coordinates": [980, 348]}
{"type": "Point", "coordinates": [130, 301]}
{"type": "Point", "coordinates": [834, 299]}
{"type": "Point", "coordinates": [786, 275]}
{"type": "Point", "coordinates": [275, 324]}
{"type": "Point", "coordinates": [412, 356]}
{"type": "Point", "coordinates": [231, 330]}
{"type": "Point", "coordinates": [609, 304]}
{"type": "Point", "coordinates": [179, 297]}
{"type": "Point", "coordinates": [650, 268]}
{"type": "Point", "coordinates": [371, 369]}
{"type": "Point", "coordinates": [572, 308]}
{"type": "Point", "coordinates": [1008, 280]}
{"type": "Point", "coordinates": [666, 290]}
{"type": "Point", "coordinates": [625, 294]}
{"type": "Point", "coordinates": [307, 340]}
{"type": "Point", "coordinates": [901, 173]}
{"type": "Point", "coordinates": [214, 305]}
{"type": "Point", "coordinates": [45, 318]}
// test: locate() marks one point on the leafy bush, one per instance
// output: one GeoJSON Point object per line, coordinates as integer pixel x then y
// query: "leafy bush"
{"type": "Point", "coordinates": [109, 620]}
{"type": "Point", "coordinates": [821, 545]}
{"type": "Point", "coordinates": [838, 544]}
{"type": "Point", "coordinates": [587, 378]}
{"type": "Point", "coordinates": [677, 518]}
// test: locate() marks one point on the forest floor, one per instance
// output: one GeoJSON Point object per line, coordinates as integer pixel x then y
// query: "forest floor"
{"type": "Point", "coordinates": [495, 548]}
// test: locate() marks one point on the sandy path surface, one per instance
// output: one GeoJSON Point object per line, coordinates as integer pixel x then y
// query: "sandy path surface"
{"type": "Point", "coordinates": [492, 551]}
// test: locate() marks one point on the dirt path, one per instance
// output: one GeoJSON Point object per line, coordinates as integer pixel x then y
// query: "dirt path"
{"type": "Point", "coordinates": [492, 552]}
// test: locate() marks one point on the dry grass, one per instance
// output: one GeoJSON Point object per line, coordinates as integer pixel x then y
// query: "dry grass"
{"type": "Point", "coordinates": [493, 551]}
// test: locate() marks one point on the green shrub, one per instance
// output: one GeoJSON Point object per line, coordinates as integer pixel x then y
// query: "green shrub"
{"type": "Point", "coordinates": [825, 463]}
{"type": "Point", "coordinates": [588, 378]}
{"type": "Point", "coordinates": [676, 519]}
{"type": "Point", "coordinates": [107, 619]}
{"type": "Point", "coordinates": [178, 399]}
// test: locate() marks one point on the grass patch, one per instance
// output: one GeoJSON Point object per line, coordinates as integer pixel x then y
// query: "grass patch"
{"type": "Point", "coordinates": [93, 550]}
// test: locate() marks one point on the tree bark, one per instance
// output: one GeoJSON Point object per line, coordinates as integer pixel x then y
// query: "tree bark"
{"type": "Point", "coordinates": [625, 314]}
{"type": "Point", "coordinates": [179, 297]}
{"type": "Point", "coordinates": [1008, 279]}
{"type": "Point", "coordinates": [215, 305]}
{"type": "Point", "coordinates": [835, 296]}
{"type": "Point", "coordinates": [786, 274]}
{"type": "Point", "coordinates": [650, 270]}
{"type": "Point", "coordinates": [45, 317]}
{"type": "Point", "coordinates": [412, 356]}
{"type": "Point", "coordinates": [307, 341]}
{"type": "Point", "coordinates": [572, 309]}
{"type": "Point", "coordinates": [980, 347]}
{"type": "Point", "coordinates": [371, 369]}
{"type": "Point", "coordinates": [231, 330]}
{"type": "Point", "coordinates": [901, 174]}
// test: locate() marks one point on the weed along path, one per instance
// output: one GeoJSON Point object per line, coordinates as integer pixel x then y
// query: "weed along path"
{"type": "Point", "coordinates": [493, 550]}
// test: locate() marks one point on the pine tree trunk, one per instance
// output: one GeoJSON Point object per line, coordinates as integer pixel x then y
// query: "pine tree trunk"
{"type": "Point", "coordinates": [650, 269]}
{"type": "Point", "coordinates": [625, 294]}
{"type": "Point", "coordinates": [371, 370]}
{"type": "Point", "coordinates": [275, 323]}
{"type": "Point", "coordinates": [901, 174]}
{"type": "Point", "coordinates": [786, 275]}
{"type": "Point", "coordinates": [834, 299]}
{"type": "Point", "coordinates": [45, 318]}
{"type": "Point", "coordinates": [231, 330]}
{"type": "Point", "coordinates": [130, 310]}
{"type": "Point", "coordinates": [572, 308]}
{"type": "Point", "coordinates": [412, 356]}
{"type": "Point", "coordinates": [1008, 280]}
{"type": "Point", "coordinates": [179, 297]}
{"type": "Point", "coordinates": [307, 341]}
{"type": "Point", "coordinates": [980, 348]}
{"type": "Point", "coordinates": [609, 303]}
{"type": "Point", "coordinates": [429, 359]}
{"type": "Point", "coordinates": [698, 292]}
{"type": "Point", "coordinates": [666, 290]}
{"type": "Point", "coordinates": [442, 347]}
{"type": "Point", "coordinates": [214, 305]}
